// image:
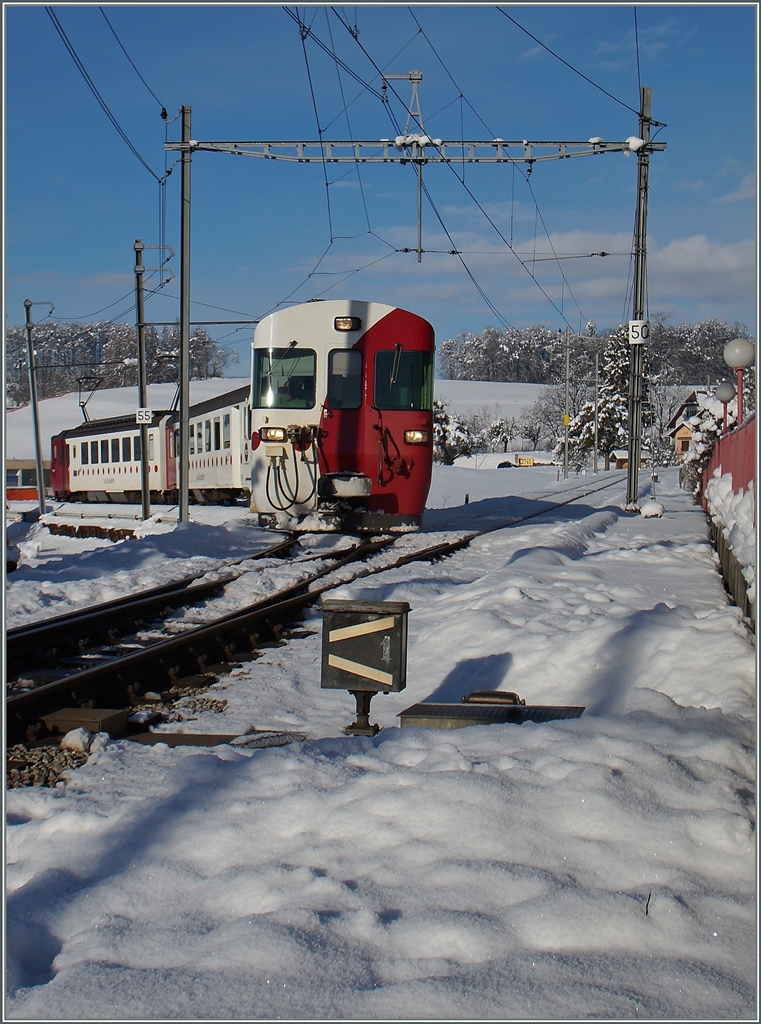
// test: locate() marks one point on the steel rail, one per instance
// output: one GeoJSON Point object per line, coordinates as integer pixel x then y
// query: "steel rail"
{"type": "Point", "coordinates": [45, 638]}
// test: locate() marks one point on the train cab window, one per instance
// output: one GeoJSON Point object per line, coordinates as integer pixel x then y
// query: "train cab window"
{"type": "Point", "coordinates": [137, 448]}
{"type": "Point", "coordinates": [104, 450]}
{"type": "Point", "coordinates": [283, 378]}
{"type": "Point", "coordinates": [85, 459]}
{"type": "Point", "coordinates": [217, 434]}
{"type": "Point", "coordinates": [114, 449]}
{"type": "Point", "coordinates": [192, 438]}
{"type": "Point", "coordinates": [126, 449]}
{"type": "Point", "coordinates": [173, 435]}
{"type": "Point", "coordinates": [207, 435]}
{"type": "Point", "coordinates": [345, 379]}
{"type": "Point", "coordinates": [150, 447]}
{"type": "Point", "coordinates": [226, 430]}
{"type": "Point", "coordinates": [94, 452]}
{"type": "Point", "coordinates": [74, 450]}
{"type": "Point", "coordinates": [403, 380]}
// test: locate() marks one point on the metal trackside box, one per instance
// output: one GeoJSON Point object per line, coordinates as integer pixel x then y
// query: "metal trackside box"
{"type": "Point", "coordinates": [364, 645]}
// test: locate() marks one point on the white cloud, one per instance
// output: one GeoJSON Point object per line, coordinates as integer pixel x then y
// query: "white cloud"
{"type": "Point", "coordinates": [747, 190]}
{"type": "Point", "coordinates": [699, 267]}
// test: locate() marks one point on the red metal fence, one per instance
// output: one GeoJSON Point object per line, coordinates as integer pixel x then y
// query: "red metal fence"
{"type": "Point", "coordinates": [735, 453]}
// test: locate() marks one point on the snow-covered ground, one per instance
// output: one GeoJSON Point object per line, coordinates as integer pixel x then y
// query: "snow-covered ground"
{"type": "Point", "coordinates": [600, 867]}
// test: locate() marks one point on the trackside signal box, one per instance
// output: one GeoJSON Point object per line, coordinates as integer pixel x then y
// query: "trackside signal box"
{"type": "Point", "coordinates": [364, 651]}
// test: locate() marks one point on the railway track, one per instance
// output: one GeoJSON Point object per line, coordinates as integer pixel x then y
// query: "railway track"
{"type": "Point", "coordinates": [42, 642]}
{"type": "Point", "coordinates": [198, 656]}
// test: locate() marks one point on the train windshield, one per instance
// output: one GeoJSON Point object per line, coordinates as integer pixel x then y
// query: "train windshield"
{"type": "Point", "coordinates": [283, 378]}
{"type": "Point", "coordinates": [403, 380]}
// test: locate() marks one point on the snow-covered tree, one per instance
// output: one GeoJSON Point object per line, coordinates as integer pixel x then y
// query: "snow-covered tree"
{"type": "Point", "coordinates": [612, 415]}
{"type": "Point", "coordinates": [106, 351]}
{"type": "Point", "coordinates": [451, 437]}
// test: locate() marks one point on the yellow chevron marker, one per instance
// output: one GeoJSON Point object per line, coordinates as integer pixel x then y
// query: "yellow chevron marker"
{"type": "Point", "coordinates": [361, 629]}
{"type": "Point", "coordinates": [365, 671]}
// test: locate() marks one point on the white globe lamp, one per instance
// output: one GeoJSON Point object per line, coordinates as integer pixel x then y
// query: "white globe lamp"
{"type": "Point", "coordinates": [739, 354]}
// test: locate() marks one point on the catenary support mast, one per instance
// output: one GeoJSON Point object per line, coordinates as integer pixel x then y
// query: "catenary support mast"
{"type": "Point", "coordinates": [142, 379]}
{"type": "Point", "coordinates": [183, 468]}
{"type": "Point", "coordinates": [636, 351]}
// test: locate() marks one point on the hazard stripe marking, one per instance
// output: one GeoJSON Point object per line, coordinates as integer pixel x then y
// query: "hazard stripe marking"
{"type": "Point", "coordinates": [366, 671]}
{"type": "Point", "coordinates": [361, 629]}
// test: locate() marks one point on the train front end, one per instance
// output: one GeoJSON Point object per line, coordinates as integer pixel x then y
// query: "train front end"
{"type": "Point", "coordinates": [342, 421]}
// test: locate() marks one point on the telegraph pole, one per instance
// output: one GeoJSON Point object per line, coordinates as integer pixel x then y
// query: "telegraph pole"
{"type": "Point", "coordinates": [183, 474]}
{"type": "Point", "coordinates": [636, 343]}
{"type": "Point", "coordinates": [32, 366]}
{"type": "Point", "coordinates": [142, 380]}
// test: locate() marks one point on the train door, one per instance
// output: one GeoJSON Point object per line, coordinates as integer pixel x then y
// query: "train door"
{"type": "Point", "coordinates": [59, 466]}
{"type": "Point", "coordinates": [171, 456]}
{"type": "Point", "coordinates": [342, 412]}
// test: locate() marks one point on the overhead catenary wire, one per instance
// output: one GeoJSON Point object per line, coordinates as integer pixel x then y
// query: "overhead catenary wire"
{"type": "Point", "coordinates": [348, 124]}
{"type": "Point", "coordinates": [303, 33]}
{"type": "Point", "coordinates": [124, 51]}
{"type": "Point", "coordinates": [93, 88]}
{"type": "Point", "coordinates": [572, 68]}
{"type": "Point", "coordinates": [636, 48]}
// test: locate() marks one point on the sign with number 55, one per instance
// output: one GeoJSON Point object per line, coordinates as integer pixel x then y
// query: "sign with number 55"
{"type": "Point", "coordinates": [639, 332]}
{"type": "Point", "coordinates": [144, 416]}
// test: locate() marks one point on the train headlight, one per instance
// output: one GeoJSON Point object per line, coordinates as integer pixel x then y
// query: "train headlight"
{"type": "Point", "coordinates": [347, 323]}
{"type": "Point", "coordinates": [273, 433]}
{"type": "Point", "coordinates": [417, 436]}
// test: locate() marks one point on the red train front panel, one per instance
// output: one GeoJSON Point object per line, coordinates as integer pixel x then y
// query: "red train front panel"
{"type": "Point", "coordinates": [388, 437]}
{"type": "Point", "coordinates": [344, 390]}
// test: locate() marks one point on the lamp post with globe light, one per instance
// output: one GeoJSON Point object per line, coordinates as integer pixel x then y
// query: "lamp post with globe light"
{"type": "Point", "coordinates": [739, 354]}
{"type": "Point", "coordinates": [725, 392]}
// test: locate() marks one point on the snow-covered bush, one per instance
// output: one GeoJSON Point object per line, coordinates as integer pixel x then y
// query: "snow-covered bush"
{"type": "Point", "coordinates": [733, 513]}
{"type": "Point", "coordinates": [707, 426]}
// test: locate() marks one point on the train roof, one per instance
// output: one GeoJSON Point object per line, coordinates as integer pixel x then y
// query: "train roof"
{"type": "Point", "coordinates": [109, 425]}
{"type": "Point", "coordinates": [221, 401]}
{"type": "Point", "coordinates": [113, 424]}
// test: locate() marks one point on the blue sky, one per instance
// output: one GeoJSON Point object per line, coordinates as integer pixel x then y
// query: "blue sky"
{"type": "Point", "coordinates": [76, 197]}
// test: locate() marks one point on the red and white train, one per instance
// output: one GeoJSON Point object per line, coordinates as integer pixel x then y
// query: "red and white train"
{"type": "Point", "coordinates": [101, 460]}
{"type": "Point", "coordinates": [342, 399]}
{"type": "Point", "coordinates": [334, 432]}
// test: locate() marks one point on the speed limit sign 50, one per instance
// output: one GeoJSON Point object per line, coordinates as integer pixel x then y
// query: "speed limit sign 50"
{"type": "Point", "coordinates": [639, 332]}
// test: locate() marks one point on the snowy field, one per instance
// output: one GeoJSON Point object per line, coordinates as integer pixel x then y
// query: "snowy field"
{"type": "Point", "coordinates": [601, 867]}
